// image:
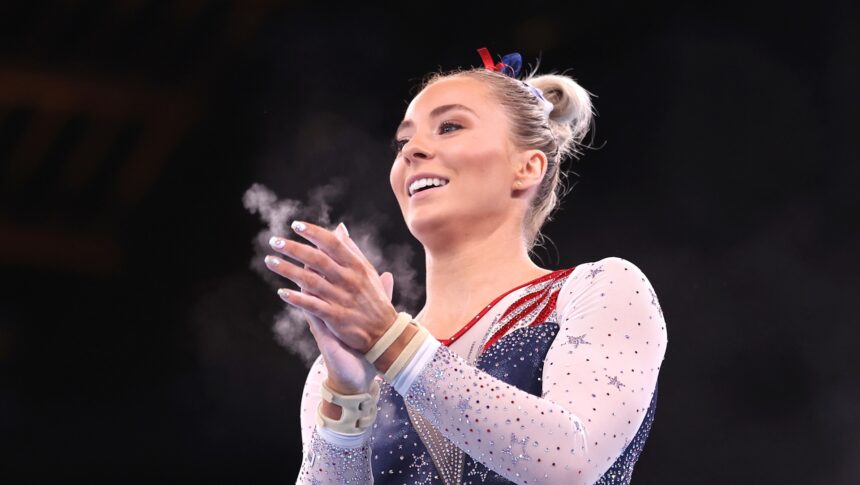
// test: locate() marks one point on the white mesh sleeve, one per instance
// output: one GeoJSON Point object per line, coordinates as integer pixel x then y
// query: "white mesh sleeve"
{"type": "Point", "coordinates": [598, 379]}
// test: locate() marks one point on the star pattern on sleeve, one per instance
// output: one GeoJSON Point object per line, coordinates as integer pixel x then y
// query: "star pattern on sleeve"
{"type": "Point", "coordinates": [655, 302]}
{"type": "Point", "coordinates": [607, 327]}
{"type": "Point", "coordinates": [594, 271]}
{"type": "Point", "coordinates": [577, 340]}
{"type": "Point", "coordinates": [474, 472]}
{"type": "Point", "coordinates": [613, 381]}
{"type": "Point", "coordinates": [517, 442]}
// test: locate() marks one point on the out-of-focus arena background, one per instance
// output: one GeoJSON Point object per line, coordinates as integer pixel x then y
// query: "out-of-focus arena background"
{"type": "Point", "coordinates": [136, 332]}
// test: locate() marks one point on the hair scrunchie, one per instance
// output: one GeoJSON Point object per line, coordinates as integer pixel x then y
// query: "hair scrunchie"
{"type": "Point", "coordinates": [510, 66]}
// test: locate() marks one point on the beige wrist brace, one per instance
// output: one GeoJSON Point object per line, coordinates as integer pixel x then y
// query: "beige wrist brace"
{"type": "Point", "coordinates": [408, 352]}
{"type": "Point", "coordinates": [358, 411]}
{"type": "Point", "coordinates": [388, 337]}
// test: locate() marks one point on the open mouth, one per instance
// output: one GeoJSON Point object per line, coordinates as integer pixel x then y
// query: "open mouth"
{"type": "Point", "coordinates": [421, 193]}
{"type": "Point", "coordinates": [420, 188]}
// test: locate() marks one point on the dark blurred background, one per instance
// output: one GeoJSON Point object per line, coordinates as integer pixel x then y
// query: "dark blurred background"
{"type": "Point", "coordinates": [136, 343]}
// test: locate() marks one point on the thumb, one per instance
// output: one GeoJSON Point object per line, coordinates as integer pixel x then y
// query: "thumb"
{"type": "Point", "coordinates": [387, 283]}
{"type": "Point", "coordinates": [314, 323]}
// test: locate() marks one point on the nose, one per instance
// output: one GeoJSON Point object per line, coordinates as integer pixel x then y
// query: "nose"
{"type": "Point", "coordinates": [415, 149]}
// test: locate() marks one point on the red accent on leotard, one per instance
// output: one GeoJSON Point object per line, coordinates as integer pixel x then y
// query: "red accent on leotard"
{"type": "Point", "coordinates": [554, 275]}
{"type": "Point", "coordinates": [530, 302]}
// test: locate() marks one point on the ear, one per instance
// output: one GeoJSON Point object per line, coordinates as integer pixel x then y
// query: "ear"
{"type": "Point", "coordinates": [531, 169]}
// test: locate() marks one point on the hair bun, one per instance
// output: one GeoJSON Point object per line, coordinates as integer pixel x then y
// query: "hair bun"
{"type": "Point", "coordinates": [572, 113]}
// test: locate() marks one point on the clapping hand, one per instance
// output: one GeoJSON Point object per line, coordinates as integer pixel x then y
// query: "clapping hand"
{"type": "Point", "coordinates": [346, 303]}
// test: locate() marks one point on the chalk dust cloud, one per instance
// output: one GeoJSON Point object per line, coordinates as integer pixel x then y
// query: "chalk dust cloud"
{"type": "Point", "coordinates": [289, 325]}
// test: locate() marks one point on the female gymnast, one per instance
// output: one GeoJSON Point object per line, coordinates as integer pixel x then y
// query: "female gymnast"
{"type": "Point", "coordinates": [511, 373]}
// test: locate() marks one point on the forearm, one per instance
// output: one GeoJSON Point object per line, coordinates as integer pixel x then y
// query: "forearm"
{"type": "Point", "coordinates": [329, 455]}
{"type": "Point", "coordinates": [522, 437]}
{"type": "Point", "coordinates": [336, 459]}
{"type": "Point", "coordinates": [382, 364]}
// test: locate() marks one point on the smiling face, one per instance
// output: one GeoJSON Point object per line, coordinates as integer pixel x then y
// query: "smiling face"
{"type": "Point", "coordinates": [454, 129]}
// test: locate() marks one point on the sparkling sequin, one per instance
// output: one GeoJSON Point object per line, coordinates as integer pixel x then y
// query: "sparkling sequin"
{"type": "Point", "coordinates": [577, 340]}
{"type": "Point", "coordinates": [613, 381]}
{"type": "Point", "coordinates": [592, 272]}
{"type": "Point", "coordinates": [330, 464]}
{"type": "Point", "coordinates": [556, 385]}
{"type": "Point", "coordinates": [536, 306]}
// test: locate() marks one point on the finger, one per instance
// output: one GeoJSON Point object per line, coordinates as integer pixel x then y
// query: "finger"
{"type": "Point", "coordinates": [387, 283]}
{"type": "Point", "coordinates": [312, 304]}
{"type": "Point", "coordinates": [318, 326]}
{"type": "Point", "coordinates": [305, 279]}
{"type": "Point", "coordinates": [314, 324]}
{"type": "Point", "coordinates": [310, 315]}
{"type": "Point", "coordinates": [310, 319]}
{"type": "Point", "coordinates": [310, 256]}
{"type": "Point", "coordinates": [350, 244]}
{"type": "Point", "coordinates": [328, 242]}
{"type": "Point", "coordinates": [357, 250]}
{"type": "Point", "coordinates": [341, 232]}
{"type": "Point", "coordinates": [309, 292]}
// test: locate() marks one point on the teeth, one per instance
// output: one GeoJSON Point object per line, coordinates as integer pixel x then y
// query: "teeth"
{"type": "Point", "coordinates": [424, 182]}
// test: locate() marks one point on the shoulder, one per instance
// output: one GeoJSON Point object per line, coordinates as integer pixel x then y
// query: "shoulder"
{"type": "Point", "coordinates": [613, 293]}
{"type": "Point", "coordinates": [606, 270]}
{"type": "Point", "coordinates": [610, 263]}
{"type": "Point", "coordinates": [612, 281]}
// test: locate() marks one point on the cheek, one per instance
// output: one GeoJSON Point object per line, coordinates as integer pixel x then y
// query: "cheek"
{"type": "Point", "coordinates": [478, 163]}
{"type": "Point", "coordinates": [396, 176]}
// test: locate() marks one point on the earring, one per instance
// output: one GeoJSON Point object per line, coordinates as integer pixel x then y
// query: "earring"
{"type": "Point", "coordinates": [518, 183]}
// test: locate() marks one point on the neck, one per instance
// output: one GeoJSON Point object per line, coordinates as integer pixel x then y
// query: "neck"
{"type": "Point", "coordinates": [466, 274]}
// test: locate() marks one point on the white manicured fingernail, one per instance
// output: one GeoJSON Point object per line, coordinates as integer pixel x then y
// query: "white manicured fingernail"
{"type": "Point", "coordinates": [272, 261]}
{"type": "Point", "coordinates": [276, 242]}
{"type": "Point", "coordinates": [298, 226]}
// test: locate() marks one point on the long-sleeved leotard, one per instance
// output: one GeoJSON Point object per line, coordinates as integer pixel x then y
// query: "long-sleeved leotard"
{"type": "Point", "coordinates": [604, 337]}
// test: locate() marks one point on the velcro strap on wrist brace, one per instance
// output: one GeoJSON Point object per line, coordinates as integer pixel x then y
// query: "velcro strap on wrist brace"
{"type": "Point", "coordinates": [358, 410]}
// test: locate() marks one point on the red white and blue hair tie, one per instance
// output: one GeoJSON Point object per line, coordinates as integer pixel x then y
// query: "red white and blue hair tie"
{"type": "Point", "coordinates": [510, 66]}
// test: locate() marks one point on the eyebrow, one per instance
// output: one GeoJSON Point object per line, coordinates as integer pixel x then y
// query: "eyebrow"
{"type": "Point", "coordinates": [437, 111]}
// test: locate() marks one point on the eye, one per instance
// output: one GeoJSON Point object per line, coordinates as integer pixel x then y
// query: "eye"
{"type": "Point", "coordinates": [445, 127]}
{"type": "Point", "coordinates": [448, 124]}
{"type": "Point", "coordinates": [397, 145]}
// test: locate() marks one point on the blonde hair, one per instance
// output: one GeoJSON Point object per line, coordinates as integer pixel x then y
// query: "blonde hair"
{"type": "Point", "coordinates": [559, 137]}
